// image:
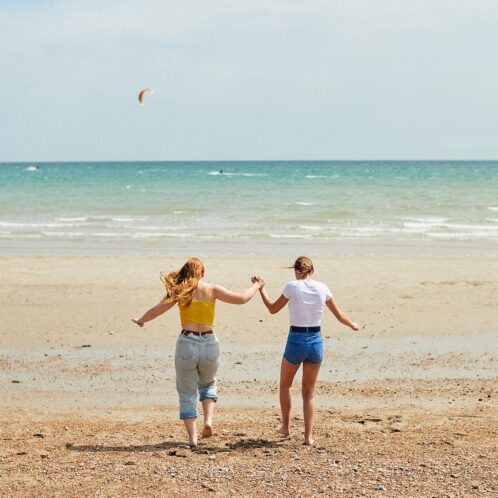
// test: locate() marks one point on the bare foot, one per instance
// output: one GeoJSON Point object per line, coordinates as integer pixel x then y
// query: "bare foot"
{"type": "Point", "coordinates": [309, 441]}
{"type": "Point", "coordinates": [283, 432]}
{"type": "Point", "coordinates": [193, 443]}
{"type": "Point", "coordinates": [207, 430]}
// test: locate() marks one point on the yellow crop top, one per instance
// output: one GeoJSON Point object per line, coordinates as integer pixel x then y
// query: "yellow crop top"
{"type": "Point", "coordinates": [198, 312]}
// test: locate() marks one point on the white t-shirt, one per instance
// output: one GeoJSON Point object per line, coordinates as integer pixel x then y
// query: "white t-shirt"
{"type": "Point", "coordinates": [306, 301]}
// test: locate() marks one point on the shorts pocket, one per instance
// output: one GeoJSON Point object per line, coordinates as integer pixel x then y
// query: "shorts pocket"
{"type": "Point", "coordinates": [297, 338]}
{"type": "Point", "coordinates": [213, 351]}
{"type": "Point", "coordinates": [294, 352]}
{"type": "Point", "coordinates": [184, 350]}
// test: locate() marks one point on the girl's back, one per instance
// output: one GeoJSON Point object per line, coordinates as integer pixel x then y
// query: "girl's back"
{"type": "Point", "coordinates": [306, 301]}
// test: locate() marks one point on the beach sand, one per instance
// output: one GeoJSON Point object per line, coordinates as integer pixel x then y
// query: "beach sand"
{"type": "Point", "coordinates": [405, 407]}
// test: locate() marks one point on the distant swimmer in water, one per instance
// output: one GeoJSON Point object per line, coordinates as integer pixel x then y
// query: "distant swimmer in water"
{"type": "Point", "coordinates": [221, 171]}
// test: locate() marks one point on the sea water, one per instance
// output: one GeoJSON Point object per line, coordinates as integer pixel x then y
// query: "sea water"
{"type": "Point", "coordinates": [245, 208]}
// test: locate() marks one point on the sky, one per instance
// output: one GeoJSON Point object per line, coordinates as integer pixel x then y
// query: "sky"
{"type": "Point", "coordinates": [248, 80]}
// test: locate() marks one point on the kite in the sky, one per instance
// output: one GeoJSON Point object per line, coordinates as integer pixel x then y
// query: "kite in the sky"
{"type": "Point", "coordinates": [142, 93]}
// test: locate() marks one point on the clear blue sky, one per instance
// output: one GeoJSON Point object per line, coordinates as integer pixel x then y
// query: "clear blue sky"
{"type": "Point", "coordinates": [258, 79]}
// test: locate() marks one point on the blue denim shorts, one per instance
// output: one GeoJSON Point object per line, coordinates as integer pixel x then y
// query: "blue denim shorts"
{"type": "Point", "coordinates": [304, 346]}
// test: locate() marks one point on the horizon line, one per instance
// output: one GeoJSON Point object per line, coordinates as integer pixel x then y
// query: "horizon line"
{"type": "Point", "coordinates": [73, 161]}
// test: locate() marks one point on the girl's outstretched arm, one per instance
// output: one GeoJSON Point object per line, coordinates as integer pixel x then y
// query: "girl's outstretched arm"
{"type": "Point", "coordinates": [272, 307]}
{"type": "Point", "coordinates": [154, 312]}
{"type": "Point", "coordinates": [342, 317]}
{"type": "Point", "coordinates": [235, 297]}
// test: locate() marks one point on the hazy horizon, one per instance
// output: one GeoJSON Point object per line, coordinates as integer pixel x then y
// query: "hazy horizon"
{"type": "Point", "coordinates": [97, 161]}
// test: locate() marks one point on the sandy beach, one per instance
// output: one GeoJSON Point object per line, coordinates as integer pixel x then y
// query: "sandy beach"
{"type": "Point", "coordinates": [406, 406]}
{"type": "Point", "coordinates": [138, 135]}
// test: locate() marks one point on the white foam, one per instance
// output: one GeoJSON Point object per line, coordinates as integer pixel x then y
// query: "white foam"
{"type": "Point", "coordinates": [316, 176]}
{"type": "Point", "coordinates": [133, 235]}
{"type": "Point", "coordinates": [425, 219]}
{"type": "Point", "coordinates": [17, 236]}
{"type": "Point", "coordinates": [370, 229]}
{"type": "Point", "coordinates": [32, 225]}
{"type": "Point", "coordinates": [147, 235]}
{"type": "Point", "coordinates": [101, 218]}
{"type": "Point", "coordinates": [493, 208]}
{"type": "Point", "coordinates": [168, 227]}
{"type": "Point", "coordinates": [289, 236]}
{"type": "Point", "coordinates": [300, 203]}
{"type": "Point", "coordinates": [235, 174]}
{"type": "Point", "coordinates": [68, 222]}
{"type": "Point", "coordinates": [124, 218]}
{"type": "Point", "coordinates": [461, 235]}
{"type": "Point", "coordinates": [471, 228]}
{"type": "Point", "coordinates": [69, 218]}
{"type": "Point", "coordinates": [32, 168]}
{"type": "Point", "coordinates": [72, 235]}
{"type": "Point", "coordinates": [361, 232]}
{"type": "Point", "coordinates": [417, 227]}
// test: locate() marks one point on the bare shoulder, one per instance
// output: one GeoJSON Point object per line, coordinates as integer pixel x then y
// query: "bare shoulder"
{"type": "Point", "coordinates": [216, 288]}
{"type": "Point", "coordinates": [210, 285]}
{"type": "Point", "coordinates": [209, 288]}
{"type": "Point", "coordinates": [217, 291]}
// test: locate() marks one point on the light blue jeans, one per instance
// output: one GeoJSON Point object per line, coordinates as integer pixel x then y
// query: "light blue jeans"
{"type": "Point", "coordinates": [197, 359]}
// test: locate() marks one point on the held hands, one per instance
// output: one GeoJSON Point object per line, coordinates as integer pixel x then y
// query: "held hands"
{"type": "Point", "coordinates": [138, 322]}
{"type": "Point", "coordinates": [258, 280]}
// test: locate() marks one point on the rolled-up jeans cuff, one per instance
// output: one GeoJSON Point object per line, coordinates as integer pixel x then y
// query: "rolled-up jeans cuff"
{"type": "Point", "coordinates": [208, 390]}
{"type": "Point", "coordinates": [203, 396]}
{"type": "Point", "coordinates": [188, 414]}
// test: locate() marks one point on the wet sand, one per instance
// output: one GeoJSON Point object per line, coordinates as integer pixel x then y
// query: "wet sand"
{"type": "Point", "coordinates": [405, 407]}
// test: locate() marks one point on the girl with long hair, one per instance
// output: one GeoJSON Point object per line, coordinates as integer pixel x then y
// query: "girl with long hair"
{"type": "Point", "coordinates": [197, 354]}
{"type": "Point", "coordinates": [307, 299]}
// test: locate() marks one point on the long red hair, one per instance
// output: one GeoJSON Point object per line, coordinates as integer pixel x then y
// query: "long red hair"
{"type": "Point", "coordinates": [182, 284]}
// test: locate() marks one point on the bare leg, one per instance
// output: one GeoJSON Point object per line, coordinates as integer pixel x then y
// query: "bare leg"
{"type": "Point", "coordinates": [287, 374]}
{"type": "Point", "coordinates": [310, 373]}
{"type": "Point", "coordinates": [208, 408]}
{"type": "Point", "coordinates": [190, 425]}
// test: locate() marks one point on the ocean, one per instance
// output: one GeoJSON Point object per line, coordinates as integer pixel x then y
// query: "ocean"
{"type": "Point", "coordinates": [250, 208]}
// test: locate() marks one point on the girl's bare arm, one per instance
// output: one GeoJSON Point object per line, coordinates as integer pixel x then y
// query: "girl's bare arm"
{"type": "Point", "coordinates": [342, 317]}
{"type": "Point", "coordinates": [230, 297]}
{"type": "Point", "coordinates": [273, 307]}
{"type": "Point", "coordinates": [154, 312]}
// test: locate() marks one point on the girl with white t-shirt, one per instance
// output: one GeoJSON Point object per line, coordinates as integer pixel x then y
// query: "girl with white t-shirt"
{"type": "Point", "coordinates": [307, 299]}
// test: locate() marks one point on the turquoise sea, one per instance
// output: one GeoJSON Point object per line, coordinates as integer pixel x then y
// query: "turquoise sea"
{"type": "Point", "coordinates": [262, 208]}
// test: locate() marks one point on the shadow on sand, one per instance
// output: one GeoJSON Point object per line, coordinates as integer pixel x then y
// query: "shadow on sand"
{"type": "Point", "coordinates": [240, 445]}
